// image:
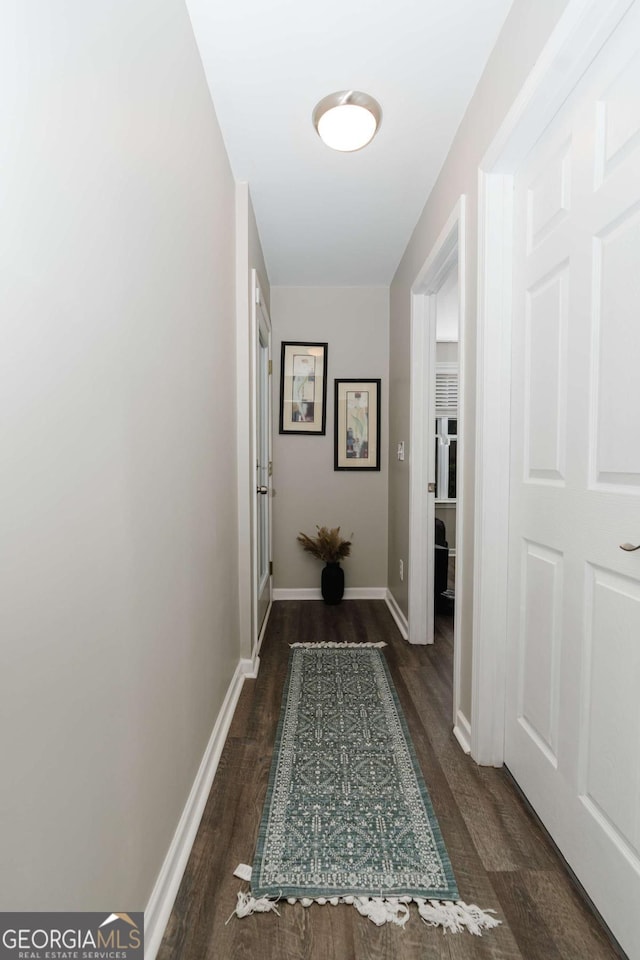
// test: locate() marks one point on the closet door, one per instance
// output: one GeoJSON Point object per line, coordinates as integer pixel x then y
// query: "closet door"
{"type": "Point", "coordinates": [573, 711]}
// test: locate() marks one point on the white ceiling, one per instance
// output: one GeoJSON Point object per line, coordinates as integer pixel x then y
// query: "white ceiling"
{"type": "Point", "coordinates": [328, 218]}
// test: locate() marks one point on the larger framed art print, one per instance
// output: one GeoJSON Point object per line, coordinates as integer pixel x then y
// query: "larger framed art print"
{"type": "Point", "coordinates": [357, 426]}
{"type": "Point", "coordinates": [303, 388]}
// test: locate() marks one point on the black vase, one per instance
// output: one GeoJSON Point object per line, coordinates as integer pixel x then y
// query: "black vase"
{"type": "Point", "coordinates": [332, 583]}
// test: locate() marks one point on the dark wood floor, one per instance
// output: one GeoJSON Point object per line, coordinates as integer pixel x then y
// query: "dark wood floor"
{"type": "Point", "coordinates": [500, 856]}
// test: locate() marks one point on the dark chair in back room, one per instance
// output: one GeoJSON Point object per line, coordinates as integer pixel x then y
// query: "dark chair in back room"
{"type": "Point", "coordinates": [441, 577]}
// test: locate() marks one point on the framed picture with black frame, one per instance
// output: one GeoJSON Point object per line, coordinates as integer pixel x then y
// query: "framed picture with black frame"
{"type": "Point", "coordinates": [303, 388]}
{"type": "Point", "coordinates": [357, 425]}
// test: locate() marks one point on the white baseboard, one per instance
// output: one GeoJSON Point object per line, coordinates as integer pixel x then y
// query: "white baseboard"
{"type": "Point", "coordinates": [462, 732]}
{"type": "Point", "coordinates": [314, 593]}
{"type": "Point", "coordinates": [158, 911]}
{"type": "Point", "coordinates": [397, 614]}
{"type": "Point", "coordinates": [263, 629]}
{"type": "Point", "coordinates": [301, 593]}
{"type": "Point", "coordinates": [250, 667]}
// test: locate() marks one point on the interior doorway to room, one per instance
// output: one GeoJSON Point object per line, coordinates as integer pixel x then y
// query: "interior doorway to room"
{"type": "Point", "coordinates": [443, 434]}
{"type": "Point", "coordinates": [436, 549]}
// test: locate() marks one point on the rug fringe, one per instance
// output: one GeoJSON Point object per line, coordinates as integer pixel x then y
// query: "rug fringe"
{"type": "Point", "coordinates": [248, 905]}
{"type": "Point", "coordinates": [381, 911]}
{"type": "Point", "coordinates": [456, 916]}
{"type": "Point", "coordinates": [329, 644]}
{"type": "Point", "coordinates": [453, 916]}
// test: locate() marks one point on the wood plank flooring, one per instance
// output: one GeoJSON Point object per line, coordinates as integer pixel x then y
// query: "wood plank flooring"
{"type": "Point", "coordinates": [500, 856]}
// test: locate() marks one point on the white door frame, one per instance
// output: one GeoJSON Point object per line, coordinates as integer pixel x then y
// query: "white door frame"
{"type": "Point", "coordinates": [244, 429]}
{"type": "Point", "coordinates": [258, 306]}
{"type": "Point", "coordinates": [449, 247]}
{"type": "Point", "coordinates": [580, 33]}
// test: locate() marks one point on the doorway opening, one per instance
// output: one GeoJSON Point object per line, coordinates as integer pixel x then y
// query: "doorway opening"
{"type": "Point", "coordinates": [438, 567]}
{"type": "Point", "coordinates": [444, 431]}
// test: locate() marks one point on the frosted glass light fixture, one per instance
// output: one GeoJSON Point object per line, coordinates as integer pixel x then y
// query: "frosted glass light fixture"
{"type": "Point", "coordinates": [347, 120]}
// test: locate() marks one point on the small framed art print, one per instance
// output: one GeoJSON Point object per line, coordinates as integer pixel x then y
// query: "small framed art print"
{"type": "Point", "coordinates": [357, 426]}
{"type": "Point", "coordinates": [303, 388]}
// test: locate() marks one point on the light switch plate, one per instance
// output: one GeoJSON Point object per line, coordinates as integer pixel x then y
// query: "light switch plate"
{"type": "Point", "coordinates": [401, 450]}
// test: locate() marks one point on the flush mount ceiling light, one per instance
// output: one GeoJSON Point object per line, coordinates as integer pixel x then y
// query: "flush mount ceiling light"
{"type": "Point", "coordinates": [347, 120]}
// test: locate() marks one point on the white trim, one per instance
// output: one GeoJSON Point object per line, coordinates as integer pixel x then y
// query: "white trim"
{"type": "Point", "coordinates": [461, 530]}
{"type": "Point", "coordinates": [397, 614]}
{"type": "Point", "coordinates": [296, 593]}
{"type": "Point", "coordinates": [263, 628]}
{"type": "Point", "coordinates": [493, 399]}
{"type": "Point", "coordinates": [246, 471]}
{"type": "Point", "coordinates": [462, 731]}
{"type": "Point", "coordinates": [314, 593]}
{"type": "Point", "coordinates": [250, 667]}
{"type": "Point", "coordinates": [580, 33]}
{"type": "Point", "coordinates": [158, 910]}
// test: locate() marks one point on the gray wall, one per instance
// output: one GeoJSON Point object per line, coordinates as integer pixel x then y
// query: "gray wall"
{"type": "Point", "coordinates": [526, 29]}
{"type": "Point", "coordinates": [447, 307]}
{"type": "Point", "coordinates": [355, 323]}
{"type": "Point", "coordinates": [118, 541]}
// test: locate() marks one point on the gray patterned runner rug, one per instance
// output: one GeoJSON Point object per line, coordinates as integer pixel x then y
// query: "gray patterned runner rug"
{"type": "Point", "coordinates": [347, 816]}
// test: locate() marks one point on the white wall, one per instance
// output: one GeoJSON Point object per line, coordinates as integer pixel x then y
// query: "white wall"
{"type": "Point", "coordinates": [525, 31]}
{"type": "Point", "coordinates": [118, 479]}
{"type": "Point", "coordinates": [447, 307]}
{"type": "Point", "coordinates": [354, 321]}
{"type": "Point", "coordinates": [446, 352]}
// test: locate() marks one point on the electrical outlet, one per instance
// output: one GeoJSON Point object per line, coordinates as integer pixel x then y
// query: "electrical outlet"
{"type": "Point", "coordinates": [402, 569]}
{"type": "Point", "coordinates": [401, 450]}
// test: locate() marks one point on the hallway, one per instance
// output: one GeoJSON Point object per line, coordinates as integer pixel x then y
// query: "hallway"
{"type": "Point", "coordinates": [500, 856]}
{"type": "Point", "coordinates": [168, 206]}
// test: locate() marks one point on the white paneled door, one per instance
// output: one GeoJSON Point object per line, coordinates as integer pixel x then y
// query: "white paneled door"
{"type": "Point", "coordinates": [573, 702]}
